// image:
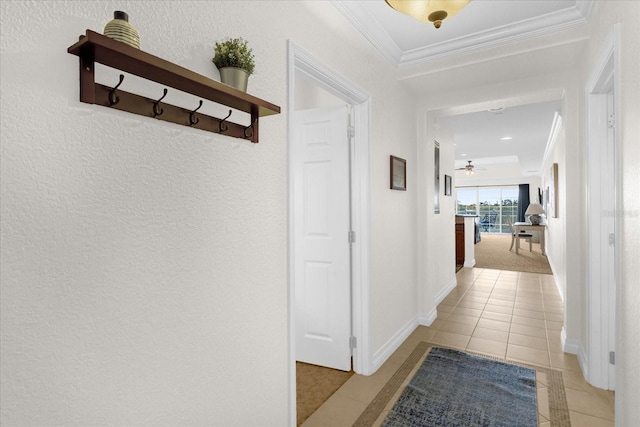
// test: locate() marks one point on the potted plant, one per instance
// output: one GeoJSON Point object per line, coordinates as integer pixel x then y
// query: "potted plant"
{"type": "Point", "coordinates": [236, 62]}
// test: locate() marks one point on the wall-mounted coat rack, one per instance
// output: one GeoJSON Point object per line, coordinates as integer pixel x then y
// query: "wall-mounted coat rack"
{"type": "Point", "coordinates": [94, 47]}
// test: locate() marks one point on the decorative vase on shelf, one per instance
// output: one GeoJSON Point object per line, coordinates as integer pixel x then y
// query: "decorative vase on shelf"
{"type": "Point", "coordinates": [120, 29]}
{"type": "Point", "coordinates": [234, 77]}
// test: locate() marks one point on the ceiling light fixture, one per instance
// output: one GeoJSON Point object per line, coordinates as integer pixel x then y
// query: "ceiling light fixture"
{"type": "Point", "coordinates": [434, 11]}
{"type": "Point", "coordinates": [468, 168]}
{"type": "Point", "coordinates": [506, 138]}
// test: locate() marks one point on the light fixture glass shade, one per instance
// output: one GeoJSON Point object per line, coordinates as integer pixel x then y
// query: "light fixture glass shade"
{"type": "Point", "coordinates": [534, 210]}
{"type": "Point", "coordinates": [434, 11]}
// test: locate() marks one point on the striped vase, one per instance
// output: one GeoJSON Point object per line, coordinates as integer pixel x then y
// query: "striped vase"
{"type": "Point", "coordinates": [120, 29]}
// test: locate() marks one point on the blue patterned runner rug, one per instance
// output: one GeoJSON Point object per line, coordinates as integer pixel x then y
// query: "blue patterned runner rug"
{"type": "Point", "coordinates": [457, 389]}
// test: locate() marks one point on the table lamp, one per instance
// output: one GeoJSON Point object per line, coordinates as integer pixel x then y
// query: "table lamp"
{"type": "Point", "coordinates": [534, 211]}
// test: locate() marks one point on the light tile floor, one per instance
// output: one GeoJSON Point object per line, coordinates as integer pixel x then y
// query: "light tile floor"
{"type": "Point", "coordinates": [512, 315]}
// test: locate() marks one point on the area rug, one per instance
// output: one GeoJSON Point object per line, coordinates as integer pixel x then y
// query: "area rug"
{"type": "Point", "coordinates": [493, 252]}
{"type": "Point", "coordinates": [553, 398]}
{"type": "Point", "coordinates": [456, 389]}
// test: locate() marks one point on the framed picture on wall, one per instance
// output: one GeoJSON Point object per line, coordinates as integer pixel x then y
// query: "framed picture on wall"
{"type": "Point", "coordinates": [553, 192]}
{"type": "Point", "coordinates": [436, 177]}
{"type": "Point", "coordinates": [447, 185]}
{"type": "Point", "coordinates": [398, 174]}
{"type": "Point", "coordinates": [545, 201]}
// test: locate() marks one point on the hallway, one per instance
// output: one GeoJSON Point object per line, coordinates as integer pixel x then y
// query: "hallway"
{"type": "Point", "coordinates": [509, 315]}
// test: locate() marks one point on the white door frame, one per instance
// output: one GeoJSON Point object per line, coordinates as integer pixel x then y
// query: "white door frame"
{"type": "Point", "coordinates": [299, 61]}
{"type": "Point", "coordinates": [601, 316]}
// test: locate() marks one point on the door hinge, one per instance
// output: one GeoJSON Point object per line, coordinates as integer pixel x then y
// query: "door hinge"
{"type": "Point", "coordinates": [611, 121]}
{"type": "Point", "coordinates": [353, 342]}
{"type": "Point", "coordinates": [612, 239]}
{"type": "Point", "coordinates": [352, 237]}
{"type": "Point", "coordinates": [612, 357]}
{"type": "Point", "coordinates": [351, 131]}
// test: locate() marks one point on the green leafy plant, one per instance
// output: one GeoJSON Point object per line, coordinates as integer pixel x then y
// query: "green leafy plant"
{"type": "Point", "coordinates": [234, 53]}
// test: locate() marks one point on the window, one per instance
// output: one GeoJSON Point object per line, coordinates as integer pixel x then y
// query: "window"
{"type": "Point", "coordinates": [466, 201]}
{"type": "Point", "coordinates": [496, 207]}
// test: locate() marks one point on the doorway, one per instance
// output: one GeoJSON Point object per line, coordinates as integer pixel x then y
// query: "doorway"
{"type": "Point", "coordinates": [602, 223]}
{"type": "Point", "coordinates": [321, 252]}
{"type": "Point", "coordinates": [304, 66]}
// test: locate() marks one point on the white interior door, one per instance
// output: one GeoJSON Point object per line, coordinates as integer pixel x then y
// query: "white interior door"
{"type": "Point", "coordinates": [322, 255]}
{"type": "Point", "coordinates": [602, 231]}
{"type": "Point", "coordinates": [608, 258]}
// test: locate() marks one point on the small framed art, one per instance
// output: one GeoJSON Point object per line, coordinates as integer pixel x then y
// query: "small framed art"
{"type": "Point", "coordinates": [398, 173]}
{"type": "Point", "coordinates": [552, 200]}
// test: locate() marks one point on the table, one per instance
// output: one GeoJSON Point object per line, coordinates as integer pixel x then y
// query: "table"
{"type": "Point", "coordinates": [528, 227]}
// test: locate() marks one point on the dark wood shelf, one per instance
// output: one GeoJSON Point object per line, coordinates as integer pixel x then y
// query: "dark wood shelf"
{"type": "Point", "coordinates": [94, 47]}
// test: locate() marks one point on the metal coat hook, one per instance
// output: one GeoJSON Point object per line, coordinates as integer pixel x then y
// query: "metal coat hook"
{"type": "Point", "coordinates": [192, 115]}
{"type": "Point", "coordinates": [224, 127]}
{"type": "Point", "coordinates": [248, 134]}
{"type": "Point", "coordinates": [113, 98]}
{"type": "Point", "coordinates": [156, 105]}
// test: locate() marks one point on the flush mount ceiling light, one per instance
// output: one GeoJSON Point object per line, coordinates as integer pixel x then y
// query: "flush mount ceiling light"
{"type": "Point", "coordinates": [434, 11]}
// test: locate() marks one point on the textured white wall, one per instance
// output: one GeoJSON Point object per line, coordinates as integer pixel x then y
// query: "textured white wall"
{"type": "Point", "coordinates": [144, 263]}
{"type": "Point", "coordinates": [395, 291]}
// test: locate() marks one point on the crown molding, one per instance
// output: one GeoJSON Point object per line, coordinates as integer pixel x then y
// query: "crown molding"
{"type": "Point", "coordinates": [364, 22]}
{"type": "Point", "coordinates": [556, 126]}
{"type": "Point", "coordinates": [374, 31]}
{"type": "Point", "coordinates": [585, 7]}
{"type": "Point", "coordinates": [499, 36]}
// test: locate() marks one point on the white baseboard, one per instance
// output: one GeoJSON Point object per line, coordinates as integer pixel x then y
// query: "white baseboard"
{"type": "Point", "coordinates": [574, 346]}
{"type": "Point", "coordinates": [445, 291]}
{"type": "Point", "coordinates": [569, 345]}
{"type": "Point", "coordinates": [469, 264]}
{"type": "Point", "coordinates": [428, 318]}
{"type": "Point", "coordinates": [393, 343]}
{"type": "Point", "coordinates": [555, 278]}
{"type": "Point", "coordinates": [398, 338]}
{"type": "Point", "coordinates": [583, 360]}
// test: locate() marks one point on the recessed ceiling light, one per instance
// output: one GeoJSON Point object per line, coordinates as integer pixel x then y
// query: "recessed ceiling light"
{"type": "Point", "coordinates": [497, 110]}
{"type": "Point", "coordinates": [463, 155]}
{"type": "Point", "coordinates": [506, 138]}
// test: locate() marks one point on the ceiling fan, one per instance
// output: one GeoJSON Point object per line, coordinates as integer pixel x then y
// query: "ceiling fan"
{"type": "Point", "coordinates": [469, 168]}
